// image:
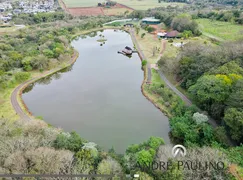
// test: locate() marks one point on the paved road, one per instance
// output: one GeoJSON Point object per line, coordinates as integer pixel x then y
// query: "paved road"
{"type": "Point", "coordinates": [15, 94]}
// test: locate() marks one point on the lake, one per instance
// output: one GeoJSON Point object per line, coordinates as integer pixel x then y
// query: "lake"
{"type": "Point", "coordinates": [99, 96]}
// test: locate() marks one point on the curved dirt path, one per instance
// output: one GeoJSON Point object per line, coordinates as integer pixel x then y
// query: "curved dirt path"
{"type": "Point", "coordinates": [17, 93]}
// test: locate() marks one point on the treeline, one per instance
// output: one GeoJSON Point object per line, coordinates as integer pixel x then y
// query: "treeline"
{"type": "Point", "coordinates": [38, 48]}
{"type": "Point", "coordinates": [214, 78]}
{"type": "Point", "coordinates": [33, 147]}
{"type": "Point", "coordinates": [222, 2]}
{"type": "Point", "coordinates": [182, 1]}
{"type": "Point", "coordinates": [37, 18]}
{"type": "Point", "coordinates": [233, 16]}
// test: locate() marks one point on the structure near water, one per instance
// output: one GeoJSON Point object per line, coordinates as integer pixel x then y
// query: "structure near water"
{"type": "Point", "coordinates": [127, 51]}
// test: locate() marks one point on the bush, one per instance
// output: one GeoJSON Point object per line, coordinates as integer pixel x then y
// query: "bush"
{"type": "Point", "coordinates": [143, 35]}
{"type": "Point", "coordinates": [70, 141]}
{"type": "Point", "coordinates": [144, 63]}
{"type": "Point", "coordinates": [155, 142]}
{"type": "Point", "coordinates": [21, 76]}
{"type": "Point", "coordinates": [170, 41]}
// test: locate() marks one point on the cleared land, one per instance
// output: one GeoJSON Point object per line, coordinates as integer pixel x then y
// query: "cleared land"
{"type": "Point", "coordinates": [86, 11]}
{"type": "Point", "coordinates": [146, 4]}
{"type": "Point", "coordinates": [135, 4]}
{"type": "Point", "coordinates": [220, 30]}
{"type": "Point", "coordinates": [81, 3]}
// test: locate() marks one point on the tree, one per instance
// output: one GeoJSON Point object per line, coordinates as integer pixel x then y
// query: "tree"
{"type": "Point", "coordinates": [155, 142]}
{"type": "Point", "coordinates": [185, 23]}
{"type": "Point", "coordinates": [70, 141]}
{"type": "Point", "coordinates": [40, 62]}
{"type": "Point", "coordinates": [137, 29]}
{"type": "Point", "coordinates": [142, 35]}
{"type": "Point", "coordinates": [200, 118]}
{"type": "Point", "coordinates": [144, 157]}
{"type": "Point", "coordinates": [83, 161]}
{"type": "Point", "coordinates": [150, 29]}
{"type": "Point", "coordinates": [220, 135]}
{"type": "Point", "coordinates": [235, 99]}
{"type": "Point", "coordinates": [187, 34]}
{"type": "Point", "coordinates": [210, 89]}
{"type": "Point", "coordinates": [26, 62]}
{"type": "Point", "coordinates": [109, 166]}
{"type": "Point", "coordinates": [48, 53]}
{"type": "Point", "coordinates": [21, 76]}
{"type": "Point", "coordinates": [234, 120]}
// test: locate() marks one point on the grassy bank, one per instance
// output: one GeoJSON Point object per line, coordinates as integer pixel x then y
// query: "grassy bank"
{"type": "Point", "coordinates": [220, 30]}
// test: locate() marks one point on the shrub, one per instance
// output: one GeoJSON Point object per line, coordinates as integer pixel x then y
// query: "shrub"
{"type": "Point", "coordinates": [144, 63]}
{"type": "Point", "coordinates": [70, 141]}
{"type": "Point", "coordinates": [21, 76]}
{"type": "Point", "coordinates": [142, 35]}
{"type": "Point", "coordinates": [155, 142]}
{"type": "Point", "coordinates": [170, 41]}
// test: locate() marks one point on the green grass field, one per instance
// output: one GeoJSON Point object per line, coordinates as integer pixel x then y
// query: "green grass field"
{"type": "Point", "coordinates": [136, 4]}
{"type": "Point", "coordinates": [220, 30]}
{"type": "Point", "coordinates": [146, 4]}
{"type": "Point", "coordinates": [81, 3]}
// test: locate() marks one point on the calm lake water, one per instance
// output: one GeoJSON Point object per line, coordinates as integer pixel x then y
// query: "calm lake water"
{"type": "Point", "coordinates": [100, 95]}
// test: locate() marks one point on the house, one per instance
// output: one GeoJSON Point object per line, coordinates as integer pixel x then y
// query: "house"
{"type": "Point", "coordinates": [150, 20]}
{"type": "Point", "coordinates": [172, 34]}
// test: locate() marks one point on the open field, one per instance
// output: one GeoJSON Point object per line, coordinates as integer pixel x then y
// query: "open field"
{"type": "Point", "coordinates": [94, 10]}
{"type": "Point", "coordinates": [81, 3]}
{"type": "Point", "coordinates": [146, 4]}
{"type": "Point", "coordinates": [135, 4]}
{"type": "Point", "coordinates": [5, 29]}
{"type": "Point", "coordinates": [86, 11]}
{"type": "Point", "coordinates": [116, 11]}
{"type": "Point", "coordinates": [220, 30]}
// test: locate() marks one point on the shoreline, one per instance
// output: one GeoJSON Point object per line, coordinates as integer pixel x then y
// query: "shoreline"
{"type": "Point", "coordinates": [21, 108]}
{"type": "Point", "coordinates": [17, 101]}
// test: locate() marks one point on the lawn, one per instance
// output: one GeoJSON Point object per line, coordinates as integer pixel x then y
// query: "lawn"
{"type": "Point", "coordinates": [147, 43]}
{"type": "Point", "coordinates": [220, 30]}
{"type": "Point", "coordinates": [136, 4]}
{"type": "Point", "coordinates": [146, 4]}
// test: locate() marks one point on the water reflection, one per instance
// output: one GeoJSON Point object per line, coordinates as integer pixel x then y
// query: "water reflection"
{"type": "Point", "coordinates": [100, 95]}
